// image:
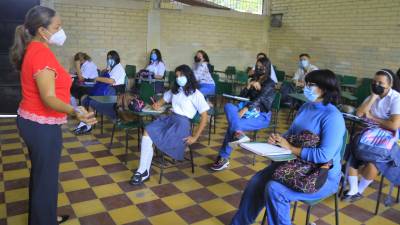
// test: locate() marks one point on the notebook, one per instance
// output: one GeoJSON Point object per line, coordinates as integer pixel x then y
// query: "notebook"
{"type": "Point", "coordinates": [149, 109]}
{"type": "Point", "coordinates": [236, 97]}
{"type": "Point", "coordinates": [265, 149]}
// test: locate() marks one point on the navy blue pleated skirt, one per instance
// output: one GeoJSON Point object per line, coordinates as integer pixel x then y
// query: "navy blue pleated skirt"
{"type": "Point", "coordinates": [168, 132]}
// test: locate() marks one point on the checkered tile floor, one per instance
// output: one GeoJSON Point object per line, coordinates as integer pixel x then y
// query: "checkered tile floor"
{"type": "Point", "coordinates": [94, 187]}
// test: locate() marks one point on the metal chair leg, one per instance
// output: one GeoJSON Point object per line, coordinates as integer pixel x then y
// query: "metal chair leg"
{"type": "Point", "coordinates": [138, 138]}
{"type": "Point", "coordinates": [191, 158]}
{"type": "Point", "coordinates": [209, 130]}
{"type": "Point", "coordinates": [346, 173]}
{"type": "Point", "coordinates": [294, 211]}
{"type": "Point", "coordinates": [254, 139]}
{"type": "Point", "coordinates": [112, 136]}
{"type": "Point", "coordinates": [126, 146]}
{"type": "Point", "coordinates": [264, 217]}
{"type": "Point", "coordinates": [379, 195]}
{"type": "Point", "coordinates": [162, 167]}
{"type": "Point", "coordinates": [308, 215]}
{"type": "Point", "coordinates": [102, 123]}
{"type": "Point", "coordinates": [214, 122]}
{"type": "Point", "coordinates": [336, 208]}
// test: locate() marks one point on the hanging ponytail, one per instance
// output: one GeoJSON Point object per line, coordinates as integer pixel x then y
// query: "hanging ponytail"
{"type": "Point", "coordinates": [17, 51]}
{"type": "Point", "coordinates": [38, 16]}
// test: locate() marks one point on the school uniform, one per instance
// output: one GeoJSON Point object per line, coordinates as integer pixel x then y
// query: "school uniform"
{"type": "Point", "coordinates": [118, 74]}
{"type": "Point", "coordinates": [89, 71]}
{"type": "Point", "coordinates": [204, 78]}
{"type": "Point", "coordinates": [168, 132]}
{"type": "Point", "coordinates": [158, 69]}
{"type": "Point", "coordinates": [300, 74]}
{"type": "Point", "coordinates": [384, 108]}
{"type": "Point", "coordinates": [261, 191]}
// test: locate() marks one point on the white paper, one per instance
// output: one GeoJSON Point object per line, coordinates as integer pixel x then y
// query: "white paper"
{"type": "Point", "coordinates": [149, 109]}
{"type": "Point", "coordinates": [265, 149]}
{"type": "Point", "coordinates": [236, 97]}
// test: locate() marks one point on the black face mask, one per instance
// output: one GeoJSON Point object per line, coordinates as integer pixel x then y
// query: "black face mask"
{"type": "Point", "coordinates": [377, 89]}
{"type": "Point", "coordinates": [196, 59]}
{"type": "Point", "coordinates": [259, 71]}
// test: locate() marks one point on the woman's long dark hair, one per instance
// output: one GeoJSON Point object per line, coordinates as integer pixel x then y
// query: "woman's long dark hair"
{"type": "Point", "coordinates": [38, 16]}
{"type": "Point", "coordinates": [191, 84]}
{"type": "Point", "coordinates": [158, 53]}
{"type": "Point", "coordinates": [114, 55]}
{"type": "Point", "coordinates": [391, 77]}
{"type": "Point", "coordinates": [205, 56]}
{"type": "Point", "coordinates": [266, 63]}
{"type": "Point", "coordinates": [327, 82]}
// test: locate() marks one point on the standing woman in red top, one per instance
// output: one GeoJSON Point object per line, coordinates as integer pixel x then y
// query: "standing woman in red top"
{"type": "Point", "coordinates": [44, 108]}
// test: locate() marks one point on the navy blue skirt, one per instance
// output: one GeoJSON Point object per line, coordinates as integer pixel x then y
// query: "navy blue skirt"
{"type": "Point", "coordinates": [168, 132]}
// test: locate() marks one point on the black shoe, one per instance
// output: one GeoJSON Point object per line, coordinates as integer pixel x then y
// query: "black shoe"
{"type": "Point", "coordinates": [83, 130]}
{"type": "Point", "coordinates": [351, 198]}
{"type": "Point", "coordinates": [139, 178]}
{"type": "Point", "coordinates": [220, 164]}
{"type": "Point", "coordinates": [63, 219]}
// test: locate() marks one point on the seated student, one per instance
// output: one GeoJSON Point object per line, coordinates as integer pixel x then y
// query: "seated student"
{"type": "Point", "coordinates": [320, 117]}
{"type": "Point", "coordinates": [85, 70]}
{"type": "Point", "coordinates": [305, 67]}
{"type": "Point", "coordinates": [85, 67]}
{"type": "Point", "coordinates": [157, 67]}
{"type": "Point", "coordinates": [116, 78]}
{"type": "Point", "coordinates": [254, 115]}
{"type": "Point", "coordinates": [252, 70]}
{"type": "Point", "coordinates": [383, 107]}
{"type": "Point", "coordinates": [202, 73]}
{"type": "Point", "coordinates": [171, 133]}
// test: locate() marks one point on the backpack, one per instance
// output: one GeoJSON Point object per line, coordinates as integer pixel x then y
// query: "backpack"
{"type": "Point", "coordinates": [136, 104]}
{"type": "Point", "coordinates": [145, 74]}
{"type": "Point", "coordinates": [375, 144]}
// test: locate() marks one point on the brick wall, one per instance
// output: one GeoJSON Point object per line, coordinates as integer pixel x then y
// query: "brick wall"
{"type": "Point", "coordinates": [97, 26]}
{"type": "Point", "coordinates": [348, 36]}
{"type": "Point", "coordinates": [228, 38]}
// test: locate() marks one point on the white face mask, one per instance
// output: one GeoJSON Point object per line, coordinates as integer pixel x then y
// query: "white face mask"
{"type": "Point", "coordinates": [58, 38]}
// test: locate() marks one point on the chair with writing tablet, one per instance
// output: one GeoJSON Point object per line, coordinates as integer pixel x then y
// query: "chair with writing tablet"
{"type": "Point", "coordinates": [310, 204]}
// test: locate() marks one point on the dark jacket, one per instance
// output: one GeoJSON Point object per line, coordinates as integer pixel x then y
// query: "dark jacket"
{"type": "Point", "coordinates": [261, 99]}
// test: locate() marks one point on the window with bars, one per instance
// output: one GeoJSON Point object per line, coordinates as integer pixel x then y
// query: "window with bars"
{"type": "Point", "coordinates": [249, 6]}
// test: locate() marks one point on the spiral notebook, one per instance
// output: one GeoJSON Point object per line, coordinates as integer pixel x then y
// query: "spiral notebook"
{"type": "Point", "coordinates": [265, 149]}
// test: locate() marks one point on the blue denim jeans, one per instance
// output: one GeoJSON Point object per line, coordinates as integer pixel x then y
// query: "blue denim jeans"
{"type": "Point", "coordinates": [235, 123]}
{"type": "Point", "coordinates": [261, 191]}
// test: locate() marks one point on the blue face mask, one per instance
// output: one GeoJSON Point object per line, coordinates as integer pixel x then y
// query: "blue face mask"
{"type": "Point", "coordinates": [153, 57]}
{"type": "Point", "coordinates": [182, 80]}
{"type": "Point", "coordinates": [110, 62]}
{"type": "Point", "coordinates": [309, 93]}
{"type": "Point", "coordinates": [304, 64]}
